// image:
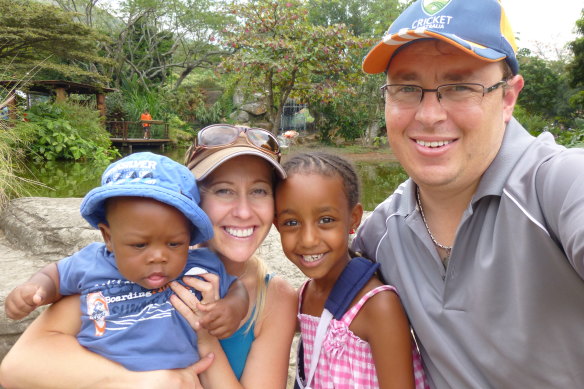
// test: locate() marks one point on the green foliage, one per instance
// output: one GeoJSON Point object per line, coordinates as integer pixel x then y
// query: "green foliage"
{"type": "Point", "coordinates": [68, 131]}
{"type": "Point", "coordinates": [341, 119]}
{"type": "Point", "coordinates": [540, 93]}
{"type": "Point", "coordinates": [533, 123]}
{"type": "Point", "coordinates": [579, 129]}
{"type": "Point", "coordinates": [205, 79]}
{"type": "Point", "coordinates": [180, 131]}
{"type": "Point", "coordinates": [330, 12]}
{"type": "Point", "coordinates": [364, 18]}
{"type": "Point", "coordinates": [277, 51]}
{"type": "Point", "coordinates": [209, 115]}
{"type": "Point", "coordinates": [174, 122]}
{"type": "Point", "coordinates": [576, 69]}
{"type": "Point", "coordinates": [380, 141]}
{"type": "Point", "coordinates": [202, 98]}
{"type": "Point", "coordinates": [157, 37]}
{"type": "Point", "coordinates": [148, 46]}
{"type": "Point", "coordinates": [577, 102]}
{"type": "Point", "coordinates": [570, 137]}
{"type": "Point", "coordinates": [186, 100]}
{"type": "Point", "coordinates": [13, 144]}
{"type": "Point", "coordinates": [40, 37]}
{"type": "Point", "coordinates": [536, 124]}
{"type": "Point", "coordinates": [137, 99]}
{"type": "Point", "coordinates": [349, 113]}
{"type": "Point", "coordinates": [546, 92]}
{"type": "Point", "coordinates": [116, 107]}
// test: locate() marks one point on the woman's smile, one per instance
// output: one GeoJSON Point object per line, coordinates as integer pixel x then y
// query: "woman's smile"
{"type": "Point", "coordinates": [239, 232]}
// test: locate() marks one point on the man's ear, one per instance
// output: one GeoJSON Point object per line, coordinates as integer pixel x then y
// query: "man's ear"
{"type": "Point", "coordinates": [106, 235]}
{"type": "Point", "coordinates": [512, 89]}
{"type": "Point", "coordinates": [356, 215]}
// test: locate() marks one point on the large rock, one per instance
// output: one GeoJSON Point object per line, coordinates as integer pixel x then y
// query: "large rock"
{"type": "Point", "coordinates": [47, 226]}
{"type": "Point", "coordinates": [255, 108]}
{"type": "Point", "coordinates": [239, 116]}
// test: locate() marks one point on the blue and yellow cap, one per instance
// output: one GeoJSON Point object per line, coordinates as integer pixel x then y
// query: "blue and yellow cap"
{"type": "Point", "coordinates": [153, 176]}
{"type": "Point", "coordinates": [478, 27]}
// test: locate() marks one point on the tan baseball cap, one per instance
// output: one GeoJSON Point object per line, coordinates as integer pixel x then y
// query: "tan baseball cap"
{"type": "Point", "coordinates": [205, 160]}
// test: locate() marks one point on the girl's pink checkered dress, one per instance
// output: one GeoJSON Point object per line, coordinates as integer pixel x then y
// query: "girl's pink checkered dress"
{"type": "Point", "coordinates": [345, 359]}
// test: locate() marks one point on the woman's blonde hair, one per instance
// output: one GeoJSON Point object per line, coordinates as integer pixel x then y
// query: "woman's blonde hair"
{"type": "Point", "coordinates": [261, 290]}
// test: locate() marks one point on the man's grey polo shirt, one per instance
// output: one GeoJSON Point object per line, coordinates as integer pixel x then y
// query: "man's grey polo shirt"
{"type": "Point", "coordinates": [508, 312]}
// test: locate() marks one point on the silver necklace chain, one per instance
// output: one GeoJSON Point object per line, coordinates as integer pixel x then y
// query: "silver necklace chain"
{"type": "Point", "coordinates": [447, 248]}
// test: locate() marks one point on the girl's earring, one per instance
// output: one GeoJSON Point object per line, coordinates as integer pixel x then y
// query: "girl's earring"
{"type": "Point", "coordinates": [352, 231]}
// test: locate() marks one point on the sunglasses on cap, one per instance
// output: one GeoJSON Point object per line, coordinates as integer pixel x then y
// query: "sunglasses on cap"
{"type": "Point", "coordinates": [218, 136]}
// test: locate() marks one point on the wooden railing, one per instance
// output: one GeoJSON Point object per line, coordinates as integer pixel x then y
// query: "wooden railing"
{"type": "Point", "coordinates": [134, 130]}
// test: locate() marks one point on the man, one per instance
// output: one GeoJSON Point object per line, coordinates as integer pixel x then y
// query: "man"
{"type": "Point", "coordinates": [145, 118]}
{"type": "Point", "coordinates": [485, 241]}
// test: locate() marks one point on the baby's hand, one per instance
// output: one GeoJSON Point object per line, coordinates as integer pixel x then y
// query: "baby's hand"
{"type": "Point", "coordinates": [220, 318]}
{"type": "Point", "coordinates": [23, 300]}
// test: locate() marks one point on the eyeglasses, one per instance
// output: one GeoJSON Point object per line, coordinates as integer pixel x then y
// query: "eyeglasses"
{"type": "Point", "coordinates": [458, 95]}
{"type": "Point", "coordinates": [222, 135]}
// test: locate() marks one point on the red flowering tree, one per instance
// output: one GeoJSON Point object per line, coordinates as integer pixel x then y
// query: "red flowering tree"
{"type": "Point", "coordinates": [277, 51]}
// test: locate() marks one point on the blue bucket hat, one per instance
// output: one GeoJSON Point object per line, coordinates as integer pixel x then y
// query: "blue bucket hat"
{"type": "Point", "coordinates": [478, 27]}
{"type": "Point", "coordinates": [153, 176]}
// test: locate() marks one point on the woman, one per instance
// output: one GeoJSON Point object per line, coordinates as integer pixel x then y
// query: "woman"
{"type": "Point", "coordinates": [236, 168]}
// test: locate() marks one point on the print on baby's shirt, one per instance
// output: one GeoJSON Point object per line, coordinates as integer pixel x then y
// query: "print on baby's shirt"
{"type": "Point", "coordinates": [97, 310]}
{"type": "Point", "coordinates": [117, 305]}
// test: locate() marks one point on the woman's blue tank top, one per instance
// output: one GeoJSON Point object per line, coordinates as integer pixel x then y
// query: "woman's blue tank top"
{"type": "Point", "coordinates": [237, 346]}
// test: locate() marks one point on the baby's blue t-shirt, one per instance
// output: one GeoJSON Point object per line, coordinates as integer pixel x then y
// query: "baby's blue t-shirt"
{"type": "Point", "coordinates": [136, 327]}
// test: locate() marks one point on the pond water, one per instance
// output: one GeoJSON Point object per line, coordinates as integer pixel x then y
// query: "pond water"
{"type": "Point", "coordinates": [75, 179]}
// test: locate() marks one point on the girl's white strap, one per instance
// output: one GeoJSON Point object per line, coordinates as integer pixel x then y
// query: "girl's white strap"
{"type": "Point", "coordinates": [323, 324]}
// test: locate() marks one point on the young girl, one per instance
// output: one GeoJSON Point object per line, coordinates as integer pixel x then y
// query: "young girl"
{"type": "Point", "coordinates": [370, 346]}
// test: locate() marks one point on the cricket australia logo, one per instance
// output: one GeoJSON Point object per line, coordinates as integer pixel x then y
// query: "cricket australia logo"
{"type": "Point", "coordinates": [432, 7]}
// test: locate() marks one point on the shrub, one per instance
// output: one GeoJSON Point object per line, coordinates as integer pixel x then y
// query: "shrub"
{"type": "Point", "coordinates": [68, 131]}
{"type": "Point", "coordinates": [116, 107]}
{"type": "Point", "coordinates": [533, 123]}
{"type": "Point", "coordinates": [179, 131]}
{"type": "Point", "coordinates": [13, 143]}
{"type": "Point", "coordinates": [570, 137]}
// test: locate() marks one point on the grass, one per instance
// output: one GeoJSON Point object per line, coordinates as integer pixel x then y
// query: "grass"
{"type": "Point", "coordinates": [9, 182]}
{"type": "Point", "coordinates": [12, 147]}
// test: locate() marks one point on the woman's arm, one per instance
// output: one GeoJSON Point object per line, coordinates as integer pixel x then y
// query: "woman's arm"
{"type": "Point", "coordinates": [268, 360]}
{"type": "Point", "coordinates": [47, 355]}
